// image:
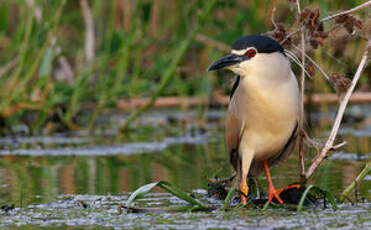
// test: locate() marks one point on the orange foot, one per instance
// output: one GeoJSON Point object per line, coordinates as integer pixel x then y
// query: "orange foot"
{"type": "Point", "coordinates": [245, 190]}
{"type": "Point", "coordinates": [272, 192]}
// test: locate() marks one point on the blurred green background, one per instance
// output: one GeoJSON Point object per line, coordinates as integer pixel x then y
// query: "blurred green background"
{"type": "Point", "coordinates": [57, 55]}
{"type": "Point", "coordinates": [66, 64]}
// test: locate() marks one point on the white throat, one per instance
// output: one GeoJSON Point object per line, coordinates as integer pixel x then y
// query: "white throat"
{"type": "Point", "coordinates": [271, 68]}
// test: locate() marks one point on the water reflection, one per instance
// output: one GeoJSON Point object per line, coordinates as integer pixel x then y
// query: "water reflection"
{"type": "Point", "coordinates": [36, 170]}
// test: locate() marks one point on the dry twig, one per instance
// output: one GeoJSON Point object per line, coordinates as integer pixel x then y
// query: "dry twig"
{"type": "Point", "coordinates": [338, 146]}
{"type": "Point", "coordinates": [290, 35]}
{"type": "Point", "coordinates": [272, 17]}
{"type": "Point", "coordinates": [302, 88]}
{"type": "Point", "coordinates": [330, 141]}
{"type": "Point", "coordinates": [366, 4]}
{"type": "Point", "coordinates": [314, 63]}
{"type": "Point", "coordinates": [309, 22]}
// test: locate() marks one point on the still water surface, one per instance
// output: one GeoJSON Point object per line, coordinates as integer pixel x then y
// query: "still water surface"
{"type": "Point", "coordinates": [79, 179]}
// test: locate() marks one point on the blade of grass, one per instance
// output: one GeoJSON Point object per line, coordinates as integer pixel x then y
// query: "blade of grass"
{"type": "Point", "coordinates": [80, 88]}
{"type": "Point", "coordinates": [46, 63]}
{"type": "Point", "coordinates": [328, 196]}
{"type": "Point", "coordinates": [168, 187]}
{"type": "Point", "coordinates": [19, 87]}
{"type": "Point", "coordinates": [13, 79]}
{"type": "Point", "coordinates": [228, 198]}
{"type": "Point", "coordinates": [266, 205]}
{"type": "Point", "coordinates": [141, 192]}
{"type": "Point", "coordinates": [178, 193]}
{"type": "Point", "coordinates": [302, 199]}
{"type": "Point", "coordinates": [348, 189]}
{"type": "Point", "coordinates": [169, 72]}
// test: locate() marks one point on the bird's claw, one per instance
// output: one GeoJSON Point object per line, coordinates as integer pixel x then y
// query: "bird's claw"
{"type": "Point", "coordinates": [276, 194]}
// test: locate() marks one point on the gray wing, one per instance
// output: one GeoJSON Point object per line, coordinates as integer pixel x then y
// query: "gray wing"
{"type": "Point", "coordinates": [232, 132]}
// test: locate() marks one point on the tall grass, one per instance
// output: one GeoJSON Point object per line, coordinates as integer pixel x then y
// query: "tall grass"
{"type": "Point", "coordinates": [46, 77]}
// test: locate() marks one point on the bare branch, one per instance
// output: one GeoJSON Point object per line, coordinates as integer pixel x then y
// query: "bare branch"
{"type": "Point", "coordinates": [301, 117]}
{"type": "Point", "coordinates": [330, 141]}
{"type": "Point", "coordinates": [89, 34]}
{"type": "Point", "coordinates": [290, 35]}
{"type": "Point", "coordinates": [298, 5]}
{"type": "Point", "coordinates": [314, 63]}
{"type": "Point", "coordinates": [366, 4]}
{"type": "Point", "coordinates": [301, 114]}
{"type": "Point", "coordinates": [338, 146]}
{"type": "Point", "coordinates": [272, 17]}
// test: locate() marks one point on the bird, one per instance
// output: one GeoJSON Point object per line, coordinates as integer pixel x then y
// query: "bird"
{"type": "Point", "coordinates": [261, 125]}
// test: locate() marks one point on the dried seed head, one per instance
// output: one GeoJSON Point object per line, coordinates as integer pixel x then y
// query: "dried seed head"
{"type": "Point", "coordinates": [340, 83]}
{"type": "Point", "coordinates": [310, 18]}
{"type": "Point", "coordinates": [310, 69]}
{"type": "Point", "coordinates": [280, 33]}
{"type": "Point", "coordinates": [349, 22]}
{"type": "Point", "coordinates": [341, 19]}
{"type": "Point", "coordinates": [313, 42]}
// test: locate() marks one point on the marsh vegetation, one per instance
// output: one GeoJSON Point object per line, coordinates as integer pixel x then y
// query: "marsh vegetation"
{"type": "Point", "coordinates": [79, 79]}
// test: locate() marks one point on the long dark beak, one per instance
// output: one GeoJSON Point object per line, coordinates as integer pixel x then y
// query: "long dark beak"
{"type": "Point", "coordinates": [228, 60]}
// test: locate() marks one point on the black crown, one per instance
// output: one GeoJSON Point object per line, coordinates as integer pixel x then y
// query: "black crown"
{"type": "Point", "coordinates": [261, 43]}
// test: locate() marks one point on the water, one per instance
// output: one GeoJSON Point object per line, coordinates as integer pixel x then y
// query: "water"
{"type": "Point", "coordinates": [77, 179]}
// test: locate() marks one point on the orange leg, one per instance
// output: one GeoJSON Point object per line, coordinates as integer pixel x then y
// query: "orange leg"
{"type": "Point", "coordinates": [245, 190]}
{"type": "Point", "coordinates": [272, 192]}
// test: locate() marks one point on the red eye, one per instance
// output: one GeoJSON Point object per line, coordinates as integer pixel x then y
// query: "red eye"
{"type": "Point", "coordinates": [251, 53]}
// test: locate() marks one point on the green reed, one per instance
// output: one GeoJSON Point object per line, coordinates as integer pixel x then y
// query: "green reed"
{"type": "Point", "coordinates": [144, 49]}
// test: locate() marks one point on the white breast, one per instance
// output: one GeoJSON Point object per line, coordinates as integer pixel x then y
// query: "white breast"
{"type": "Point", "coordinates": [267, 103]}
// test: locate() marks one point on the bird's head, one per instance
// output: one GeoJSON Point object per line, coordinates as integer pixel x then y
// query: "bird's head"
{"type": "Point", "coordinates": [251, 53]}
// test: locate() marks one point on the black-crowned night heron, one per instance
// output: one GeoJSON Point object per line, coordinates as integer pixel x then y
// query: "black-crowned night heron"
{"type": "Point", "coordinates": [262, 118]}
